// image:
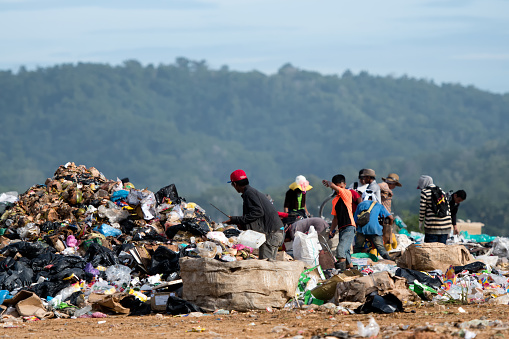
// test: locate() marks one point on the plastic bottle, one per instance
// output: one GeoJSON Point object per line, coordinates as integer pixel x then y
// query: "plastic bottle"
{"type": "Point", "coordinates": [83, 311]}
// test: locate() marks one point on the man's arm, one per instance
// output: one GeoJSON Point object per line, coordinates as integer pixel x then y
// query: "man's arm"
{"type": "Point", "coordinates": [254, 210]}
{"type": "Point", "coordinates": [333, 226]}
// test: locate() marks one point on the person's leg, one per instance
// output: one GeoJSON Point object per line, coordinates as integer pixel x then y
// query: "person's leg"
{"type": "Point", "coordinates": [346, 236]}
{"type": "Point", "coordinates": [378, 242]}
{"type": "Point", "coordinates": [268, 250]}
{"type": "Point", "coordinates": [359, 242]}
{"type": "Point", "coordinates": [442, 238]}
{"type": "Point", "coordinates": [430, 237]}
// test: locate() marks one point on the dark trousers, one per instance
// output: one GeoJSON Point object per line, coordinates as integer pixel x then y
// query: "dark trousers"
{"type": "Point", "coordinates": [435, 238]}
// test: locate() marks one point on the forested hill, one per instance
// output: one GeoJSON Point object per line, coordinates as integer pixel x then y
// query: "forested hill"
{"type": "Point", "coordinates": [187, 124]}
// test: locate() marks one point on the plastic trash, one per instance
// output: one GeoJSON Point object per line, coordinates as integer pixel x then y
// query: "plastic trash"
{"type": "Point", "coordinates": [306, 247]}
{"type": "Point", "coordinates": [64, 294]}
{"type": "Point", "coordinates": [4, 294]}
{"type": "Point", "coordinates": [9, 197]}
{"type": "Point", "coordinates": [251, 238]}
{"type": "Point", "coordinates": [207, 249]}
{"type": "Point", "coordinates": [217, 236]}
{"type": "Point", "coordinates": [108, 231]}
{"type": "Point", "coordinates": [399, 222]}
{"type": "Point", "coordinates": [113, 213]}
{"type": "Point", "coordinates": [29, 230]}
{"type": "Point", "coordinates": [82, 311]}
{"type": "Point", "coordinates": [118, 274]}
{"type": "Point", "coordinates": [370, 330]}
{"type": "Point", "coordinates": [71, 241]}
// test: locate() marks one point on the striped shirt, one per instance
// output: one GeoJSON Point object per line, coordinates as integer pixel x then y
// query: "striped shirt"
{"type": "Point", "coordinates": [432, 223]}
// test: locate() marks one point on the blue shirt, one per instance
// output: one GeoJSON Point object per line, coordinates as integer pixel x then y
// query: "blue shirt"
{"type": "Point", "coordinates": [373, 226]}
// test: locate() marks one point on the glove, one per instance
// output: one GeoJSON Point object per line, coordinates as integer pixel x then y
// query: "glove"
{"type": "Point", "coordinates": [421, 228]}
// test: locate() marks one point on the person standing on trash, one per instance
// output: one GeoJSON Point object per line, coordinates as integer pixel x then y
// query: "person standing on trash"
{"type": "Point", "coordinates": [386, 188]}
{"type": "Point", "coordinates": [359, 186]}
{"type": "Point", "coordinates": [454, 203]}
{"type": "Point", "coordinates": [343, 218]}
{"type": "Point", "coordinates": [295, 198]}
{"type": "Point", "coordinates": [436, 229]}
{"type": "Point", "coordinates": [369, 177]}
{"type": "Point", "coordinates": [258, 214]}
{"type": "Point", "coordinates": [372, 231]}
{"type": "Point", "coordinates": [386, 194]}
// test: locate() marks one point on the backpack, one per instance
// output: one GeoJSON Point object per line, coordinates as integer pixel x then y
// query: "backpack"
{"type": "Point", "coordinates": [439, 202]}
{"type": "Point", "coordinates": [363, 217]}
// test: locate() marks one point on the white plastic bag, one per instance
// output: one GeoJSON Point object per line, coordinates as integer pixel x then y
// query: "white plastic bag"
{"type": "Point", "coordinates": [500, 247]}
{"type": "Point", "coordinates": [217, 236]}
{"type": "Point", "coordinates": [306, 247]}
{"type": "Point", "coordinates": [371, 330]}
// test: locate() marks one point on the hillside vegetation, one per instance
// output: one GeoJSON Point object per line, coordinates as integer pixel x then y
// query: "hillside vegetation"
{"type": "Point", "coordinates": [187, 124]}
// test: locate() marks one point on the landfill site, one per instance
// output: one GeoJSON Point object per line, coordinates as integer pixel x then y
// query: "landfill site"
{"type": "Point", "coordinates": [87, 256]}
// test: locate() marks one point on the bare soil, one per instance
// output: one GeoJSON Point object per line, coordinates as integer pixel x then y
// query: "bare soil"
{"type": "Point", "coordinates": [426, 321]}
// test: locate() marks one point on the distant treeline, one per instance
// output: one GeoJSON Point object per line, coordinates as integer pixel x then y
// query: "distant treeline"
{"type": "Point", "coordinates": [187, 124]}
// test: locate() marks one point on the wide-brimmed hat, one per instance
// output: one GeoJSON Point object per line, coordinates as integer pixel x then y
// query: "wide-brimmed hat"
{"type": "Point", "coordinates": [392, 178]}
{"type": "Point", "coordinates": [368, 172]}
{"type": "Point", "coordinates": [300, 183]}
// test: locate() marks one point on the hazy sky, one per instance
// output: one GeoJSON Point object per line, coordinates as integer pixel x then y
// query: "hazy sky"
{"type": "Point", "coordinates": [453, 41]}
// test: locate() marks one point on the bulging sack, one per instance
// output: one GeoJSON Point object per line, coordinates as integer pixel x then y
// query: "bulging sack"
{"type": "Point", "coordinates": [239, 285]}
{"type": "Point", "coordinates": [306, 247]}
{"type": "Point", "coordinates": [433, 256]}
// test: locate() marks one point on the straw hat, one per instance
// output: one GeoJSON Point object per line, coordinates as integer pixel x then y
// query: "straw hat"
{"type": "Point", "coordinates": [392, 178]}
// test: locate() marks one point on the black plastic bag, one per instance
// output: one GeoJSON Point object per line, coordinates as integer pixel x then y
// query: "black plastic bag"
{"type": "Point", "coordinates": [49, 226]}
{"type": "Point", "coordinates": [423, 278]}
{"type": "Point", "coordinates": [29, 250]}
{"type": "Point", "coordinates": [127, 226]}
{"type": "Point", "coordinates": [388, 303]}
{"type": "Point", "coordinates": [170, 192]}
{"type": "Point", "coordinates": [56, 263]}
{"type": "Point", "coordinates": [68, 272]}
{"type": "Point", "coordinates": [164, 261]}
{"type": "Point", "coordinates": [136, 306]}
{"type": "Point", "coordinates": [100, 255]}
{"type": "Point", "coordinates": [473, 267]}
{"type": "Point", "coordinates": [232, 232]}
{"type": "Point", "coordinates": [176, 306]}
{"type": "Point", "coordinates": [17, 276]}
{"type": "Point", "coordinates": [196, 227]}
{"type": "Point", "coordinates": [48, 288]}
{"type": "Point", "coordinates": [172, 230]}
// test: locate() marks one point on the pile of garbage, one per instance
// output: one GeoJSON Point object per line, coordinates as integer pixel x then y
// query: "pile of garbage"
{"type": "Point", "coordinates": [82, 243]}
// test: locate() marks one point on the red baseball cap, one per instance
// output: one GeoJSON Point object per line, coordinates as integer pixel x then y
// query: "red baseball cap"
{"type": "Point", "coordinates": [237, 175]}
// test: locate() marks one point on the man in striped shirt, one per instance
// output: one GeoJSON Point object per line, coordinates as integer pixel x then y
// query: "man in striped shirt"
{"type": "Point", "coordinates": [436, 229]}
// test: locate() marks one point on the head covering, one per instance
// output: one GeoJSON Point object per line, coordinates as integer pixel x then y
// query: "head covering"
{"type": "Point", "coordinates": [237, 175]}
{"type": "Point", "coordinates": [392, 178]}
{"type": "Point", "coordinates": [301, 183]}
{"type": "Point", "coordinates": [424, 181]}
{"type": "Point", "coordinates": [368, 172]}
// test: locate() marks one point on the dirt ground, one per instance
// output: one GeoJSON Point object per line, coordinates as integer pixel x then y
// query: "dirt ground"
{"type": "Point", "coordinates": [427, 321]}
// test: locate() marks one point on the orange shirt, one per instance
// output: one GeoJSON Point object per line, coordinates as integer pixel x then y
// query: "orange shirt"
{"type": "Point", "coordinates": [346, 197]}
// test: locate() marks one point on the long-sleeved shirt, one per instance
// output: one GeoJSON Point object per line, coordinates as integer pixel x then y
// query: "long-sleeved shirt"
{"type": "Point", "coordinates": [432, 223]}
{"type": "Point", "coordinates": [454, 209]}
{"type": "Point", "coordinates": [258, 213]}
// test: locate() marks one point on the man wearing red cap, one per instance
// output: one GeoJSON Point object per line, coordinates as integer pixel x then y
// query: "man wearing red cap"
{"type": "Point", "coordinates": [258, 215]}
